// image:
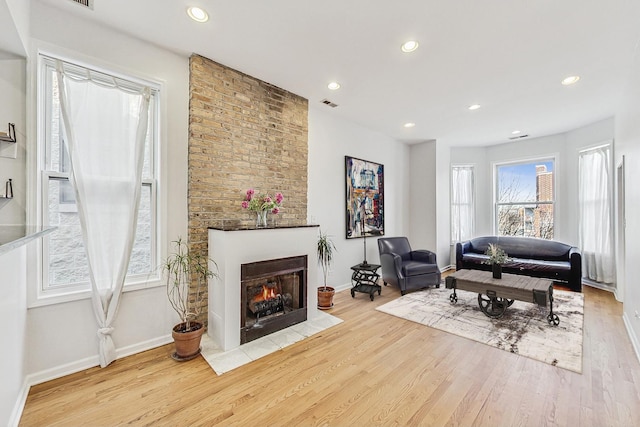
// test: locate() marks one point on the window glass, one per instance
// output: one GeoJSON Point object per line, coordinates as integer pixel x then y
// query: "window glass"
{"type": "Point", "coordinates": [525, 199]}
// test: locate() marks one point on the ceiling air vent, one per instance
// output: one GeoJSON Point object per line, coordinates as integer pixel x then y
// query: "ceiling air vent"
{"type": "Point", "coordinates": [329, 103]}
{"type": "Point", "coordinates": [518, 137]}
{"type": "Point", "coordinates": [85, 3]}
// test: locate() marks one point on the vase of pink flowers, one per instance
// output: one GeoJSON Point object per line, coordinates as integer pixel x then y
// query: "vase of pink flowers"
{"type": "Point", "coordinates": [262, 204]}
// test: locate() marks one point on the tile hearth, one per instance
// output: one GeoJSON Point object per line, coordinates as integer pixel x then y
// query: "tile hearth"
{"type": "Point", "coordinates": [225, 361]}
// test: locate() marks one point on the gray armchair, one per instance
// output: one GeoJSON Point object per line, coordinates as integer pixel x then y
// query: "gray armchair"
{"type": "Point", "coordinates": [405, 268]}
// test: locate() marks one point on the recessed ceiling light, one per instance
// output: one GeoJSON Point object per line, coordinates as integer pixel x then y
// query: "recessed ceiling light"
{"type": "Point", "coordinates": [515, 132]}
{"type": "Point", "coordinates": [570, 80]}
{"type": "Point", "coordinates": [409, 46]}
{"type": "Point", "coordinates": [409, 125]}
{"type": "Point", "coordinates": [334, 85]}
{"type": "Point", "coordinates": [474, 106]}
{"type": "Point", "coordinates": [197, 14]}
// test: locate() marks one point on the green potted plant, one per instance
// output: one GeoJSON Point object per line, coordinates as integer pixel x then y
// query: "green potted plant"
{"type": "Point", "coordinates": [186, 274]}
{"type": "Point", "coordinates": [326, 251]}
{"type": "Point", "coordinates": [497, 257]}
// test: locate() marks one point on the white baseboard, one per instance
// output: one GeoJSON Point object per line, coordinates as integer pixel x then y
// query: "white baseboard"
{"type": "Point", "coordinates": [632, 336]}
{"type": "Point", "coordinates": [77, 366]}
{"type": "Point", "coordinates": [16, 414]}
{"type": "Point", "coordinates": [346, 286]}
{"type": "Point", "coordinates": [343, 287]}
{"type": "Point", "coordinates": [143, 346]}
{"type": "Point", "coordinates": [90, 362]}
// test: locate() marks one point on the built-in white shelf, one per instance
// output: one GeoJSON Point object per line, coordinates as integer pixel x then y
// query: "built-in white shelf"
{"type": "Point", "coordinates": [10, 135]}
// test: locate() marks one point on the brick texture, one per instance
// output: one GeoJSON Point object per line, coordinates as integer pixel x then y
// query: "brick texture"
{"type": "Point", "coordinates": [243, 133]}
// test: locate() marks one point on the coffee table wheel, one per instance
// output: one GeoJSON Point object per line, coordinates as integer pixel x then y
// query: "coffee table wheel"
{"type": "Point", "coordinates": [492, 306]}
{"type": "Point", "coordinates": [510, 302]}
{"type": "Point", "coordinates": [379, 291]}
{"type": "Point", "coordinates": [453, 298]}
{"type": "Point", "coordinates": [371, 296]}
{"type": "Point", "coordinates": [353, 294]}
{"type": "Point", "coordinates": [553, 319]}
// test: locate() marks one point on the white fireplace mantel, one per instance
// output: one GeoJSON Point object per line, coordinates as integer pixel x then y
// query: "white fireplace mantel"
{"type": "Point", "coordinates": [232, 248]}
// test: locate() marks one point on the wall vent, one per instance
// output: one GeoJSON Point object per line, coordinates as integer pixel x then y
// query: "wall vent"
{"type": "Point", "coordinates": [85, 3]}
{"type": "Point", "coordinates": [518, 137]}
{"type": "Point", "coordinates": [329, 103]}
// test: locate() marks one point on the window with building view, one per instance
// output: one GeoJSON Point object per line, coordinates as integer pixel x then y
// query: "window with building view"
{"type": "Point", "coordinates": [64, 263]}
{"type": "Point", "coordinates": [525, 199]}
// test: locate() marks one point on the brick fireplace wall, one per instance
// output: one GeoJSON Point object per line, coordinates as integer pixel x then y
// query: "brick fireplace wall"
{"type": "Point", "coordinates": [243, 133]}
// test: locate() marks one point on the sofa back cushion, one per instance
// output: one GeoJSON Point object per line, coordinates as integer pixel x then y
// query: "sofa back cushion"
{"type": "Point", "coordinates": [523, 247]}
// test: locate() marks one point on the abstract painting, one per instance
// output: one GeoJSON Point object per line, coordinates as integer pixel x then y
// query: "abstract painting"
{"type": "Point", "coordinates": [365, 198]}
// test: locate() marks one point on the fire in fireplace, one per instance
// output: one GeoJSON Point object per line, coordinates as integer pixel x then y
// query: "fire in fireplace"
{"type": "Point", "coordinates": [273, 296]}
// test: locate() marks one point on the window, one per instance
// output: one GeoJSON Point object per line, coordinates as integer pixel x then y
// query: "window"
{"type": "Point", "coordinates": [525, 199]}
{"type": "Point", "coordinates": [64, 263]}
{"type": "Point", "coordinates": [462, 203]}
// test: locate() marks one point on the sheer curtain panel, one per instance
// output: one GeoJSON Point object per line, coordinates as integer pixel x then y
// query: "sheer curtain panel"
{"type": "Point", "coordinates": [105, 126]}
{"type": "Point", "coordinates": [462, 203]}
{"type": "Point", "coordinates": [596, 224]}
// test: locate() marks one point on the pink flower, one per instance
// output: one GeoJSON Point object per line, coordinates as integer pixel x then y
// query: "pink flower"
{"type": "Point", "coordinates": [250, 193]}
{"type": "Point", "coordinates": [275, 210]}
{"type": "Point", "coordinates": [279, 198]}
{"type": "Point", "coordinates": [267, 199]}
{"type": "Point", "coordinates": [245, 204]}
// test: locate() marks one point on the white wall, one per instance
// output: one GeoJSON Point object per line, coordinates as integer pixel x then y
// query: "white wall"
{"type": "Point", "coordinates": [443, 205]}
{"type": "Point", "coordinates": [12, 156]}
{"type": "Point", "coordinates": [330, 139]}
{"type": "Point", "coordinates": [61, 338]}
{"type": "Point", "coordinates": [19, 10]}
{"type": "Point", "coordinates": [627, 132]}
{"type": "Point", "coordinates": [13, 318]}
{"type": "Point", "coordinates": [563, 147]}
{"type": "Point", "coordinates": [422, 200]}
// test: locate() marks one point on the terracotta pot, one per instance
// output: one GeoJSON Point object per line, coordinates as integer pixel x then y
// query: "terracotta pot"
{"type": "Point", "coordinates": [325, 297]}
{"type": "Point", "coordinates": [187, 343]}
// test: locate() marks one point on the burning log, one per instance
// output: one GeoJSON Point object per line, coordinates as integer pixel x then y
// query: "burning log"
{"type": "Point", "coordinates": [266, 307]}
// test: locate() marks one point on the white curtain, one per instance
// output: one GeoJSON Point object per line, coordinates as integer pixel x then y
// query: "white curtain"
{"type": "Point", "coordinates": [105, 127]}
{"type": "Point", "coordinates": [462, 203]}
{"type": "Point", "coordinates": [596, 225]}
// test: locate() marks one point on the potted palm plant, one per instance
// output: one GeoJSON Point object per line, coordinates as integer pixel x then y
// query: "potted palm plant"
{"type": "Point", "coordinates": [326, 251]}
{"type": "Point", "coordinates": [497, 257]}
{"type": "Point", "coordinates": [186, 274]}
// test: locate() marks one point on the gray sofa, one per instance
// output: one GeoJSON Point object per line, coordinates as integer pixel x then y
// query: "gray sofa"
{"type": "Point", "coordinates": [528, 256]}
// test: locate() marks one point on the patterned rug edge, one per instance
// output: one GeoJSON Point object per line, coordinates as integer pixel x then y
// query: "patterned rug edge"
{"type": "Point", "coordinates": [522, 330]}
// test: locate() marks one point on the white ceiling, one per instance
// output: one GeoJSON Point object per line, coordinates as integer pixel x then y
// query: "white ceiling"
{"type": "Point", "coordinates": [507, 55]}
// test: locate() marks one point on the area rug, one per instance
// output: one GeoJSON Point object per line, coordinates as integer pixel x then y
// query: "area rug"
{"type": "Point", "coordinates": [523, 329]}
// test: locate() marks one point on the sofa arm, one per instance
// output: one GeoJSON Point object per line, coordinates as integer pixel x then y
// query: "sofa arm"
{"type": "Point", "coordinates": [391, 267]}
{"type": "Point", "coordinates": [424, 255]}
{"type": "Point", "coordinates": [575, 276]}
{"type": "Point", "coordinates": [461, 249]}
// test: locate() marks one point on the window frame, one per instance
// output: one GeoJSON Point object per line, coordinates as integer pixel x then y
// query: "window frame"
{"type": "Point", "coordinates": [43, 293]}
{"type": "Point", "coordinates": [496, 204]}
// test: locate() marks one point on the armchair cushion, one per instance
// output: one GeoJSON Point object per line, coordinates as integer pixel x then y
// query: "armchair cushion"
{"type": "Point", "coordinates": [413, 268]}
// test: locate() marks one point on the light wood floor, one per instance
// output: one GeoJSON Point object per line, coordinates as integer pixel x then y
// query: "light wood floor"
{"type": "Point", "coordinates": [373, 369]}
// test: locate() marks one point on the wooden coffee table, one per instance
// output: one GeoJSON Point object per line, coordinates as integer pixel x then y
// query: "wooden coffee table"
{"type": "Point", "coordinates": [495, 295]}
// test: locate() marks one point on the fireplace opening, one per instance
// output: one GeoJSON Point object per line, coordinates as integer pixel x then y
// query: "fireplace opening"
{"type": "Point", "coordinates": [273, 296]}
